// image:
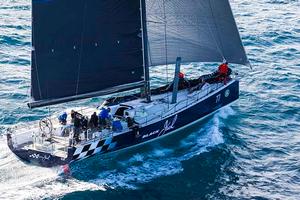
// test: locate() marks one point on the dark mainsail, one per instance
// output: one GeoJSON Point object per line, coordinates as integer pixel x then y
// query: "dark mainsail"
{"type": "Point", "coordinates": [84, 48]}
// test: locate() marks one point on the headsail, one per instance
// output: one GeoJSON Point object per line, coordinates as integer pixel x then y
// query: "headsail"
{"type": "Point", "coordinates": [195, 30]}
{"type": "Point", "coordinates": [85, 48]}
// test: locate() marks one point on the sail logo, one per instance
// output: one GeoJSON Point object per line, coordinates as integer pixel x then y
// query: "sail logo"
{"type": "Point", "coordinates": [169, 125]}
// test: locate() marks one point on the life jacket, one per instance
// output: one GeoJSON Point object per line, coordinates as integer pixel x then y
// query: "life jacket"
{"type": "Point", "coordinates": [103, 113]}
{"type": "Point", "coordinates": [116, 125]}
{"type": "Point", "coordinates": [223, 69]}
{"type": "Point", "coordinates": [63, 117]}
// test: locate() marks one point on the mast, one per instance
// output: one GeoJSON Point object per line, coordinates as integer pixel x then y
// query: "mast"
{"type": "Point", "coordinates": [145, 51]}
{"type": "Point", "coordinates": [176, 80]}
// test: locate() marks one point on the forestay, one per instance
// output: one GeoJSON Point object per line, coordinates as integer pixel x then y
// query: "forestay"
{"type": "Point", "coordinates": [195, 30]}
{"type": "Point", "coordinates": [85, 46]}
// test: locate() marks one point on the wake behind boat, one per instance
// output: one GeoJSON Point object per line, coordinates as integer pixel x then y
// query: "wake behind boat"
{"type": "Point", "coordinates": [109, 49]}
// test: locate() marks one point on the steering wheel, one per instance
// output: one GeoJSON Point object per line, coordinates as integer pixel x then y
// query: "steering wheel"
{"type": "Point", "coordinates": [46, 126]}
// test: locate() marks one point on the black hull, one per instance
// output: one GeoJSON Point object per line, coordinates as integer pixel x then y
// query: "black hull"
{"type": "Point", "coordinates": [176, 121]}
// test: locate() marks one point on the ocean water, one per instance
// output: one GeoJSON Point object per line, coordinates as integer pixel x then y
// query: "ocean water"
{"type": "Point", "coordinates": [249, 150]}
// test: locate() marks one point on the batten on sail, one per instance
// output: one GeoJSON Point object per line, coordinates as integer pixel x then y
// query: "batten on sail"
{"type": "Point", "coordinates": [195, 30]}
{"type": "Point", "coordinates": [84, 48]}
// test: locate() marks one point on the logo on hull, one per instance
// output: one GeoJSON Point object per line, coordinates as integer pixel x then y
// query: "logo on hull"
{"type": "Point", "coordinates": [38, 156]}
{"type": "Point", "coordinates": [227, 93]}
{"type": "Point", "coordinates": [169, 125]}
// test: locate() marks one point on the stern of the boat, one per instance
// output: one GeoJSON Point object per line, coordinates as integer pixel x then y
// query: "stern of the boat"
{"type": "Point", "coordinates": [37, 157]}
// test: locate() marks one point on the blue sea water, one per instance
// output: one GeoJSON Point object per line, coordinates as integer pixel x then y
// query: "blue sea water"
{"type": "Point", "coordinates": [250, 150]}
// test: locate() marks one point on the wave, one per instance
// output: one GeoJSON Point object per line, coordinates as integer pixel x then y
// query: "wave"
{"type": "Point", "coordinates": [22, 181]}
{"type": "Point", "coordinates": [161, 161]}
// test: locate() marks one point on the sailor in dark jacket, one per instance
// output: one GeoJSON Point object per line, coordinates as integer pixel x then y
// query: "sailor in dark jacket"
{"type": "Point", "coordinates": [183, 83]}
{"type": "Point", "coordinates": [132, 124]}
{"type": "Point", "coordinates": [94, 121]}
{"type": "Point", "coordinates": [77, 125]}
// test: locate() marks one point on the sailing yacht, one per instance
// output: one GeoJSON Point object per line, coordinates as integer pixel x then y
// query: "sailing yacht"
{"type": "Point", "coordinates": [90, 48]}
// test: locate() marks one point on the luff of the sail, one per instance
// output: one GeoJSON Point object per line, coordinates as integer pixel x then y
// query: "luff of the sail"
{"type": "Point", "coordinates": [195, 30]}
{"type": "Point", "coordinates": [84, 47]}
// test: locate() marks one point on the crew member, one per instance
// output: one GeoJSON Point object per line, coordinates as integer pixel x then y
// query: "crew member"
{"type": "Point", "coordinates": [94, 121]}
{"type": "Point", "coordinates": [72, 116]}
{"type": "Point", "coordinates": [132, 124]}
{"type": "Point", "coordinates": [75, 114]}
{"type": "Point", "coordinates": [76, 130]}
{"type": "Point", "coordinates": [62, 118]}
{"type": "Point", "coordinates": [182, 83]}
{"type": "Point", "coordinates": [223, 72]}
{"type": "Point", "coordinates": [104, 116]}
{"type": "Point", "coordinates": [223, 68]}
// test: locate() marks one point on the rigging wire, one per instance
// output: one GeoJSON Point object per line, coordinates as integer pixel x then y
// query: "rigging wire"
{"type": "Point", "coordinates": [81, 46]}
{"type": "Point", "coordinates": [35, 60]}
{"type": "Point", "coordinates": [166, 47]}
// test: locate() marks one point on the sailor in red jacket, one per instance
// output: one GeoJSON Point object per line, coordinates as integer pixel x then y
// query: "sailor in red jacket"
{"type": "Point", "coordinates": [223, 69]}
{"type": "Point", "coordinates": [223, 72]}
